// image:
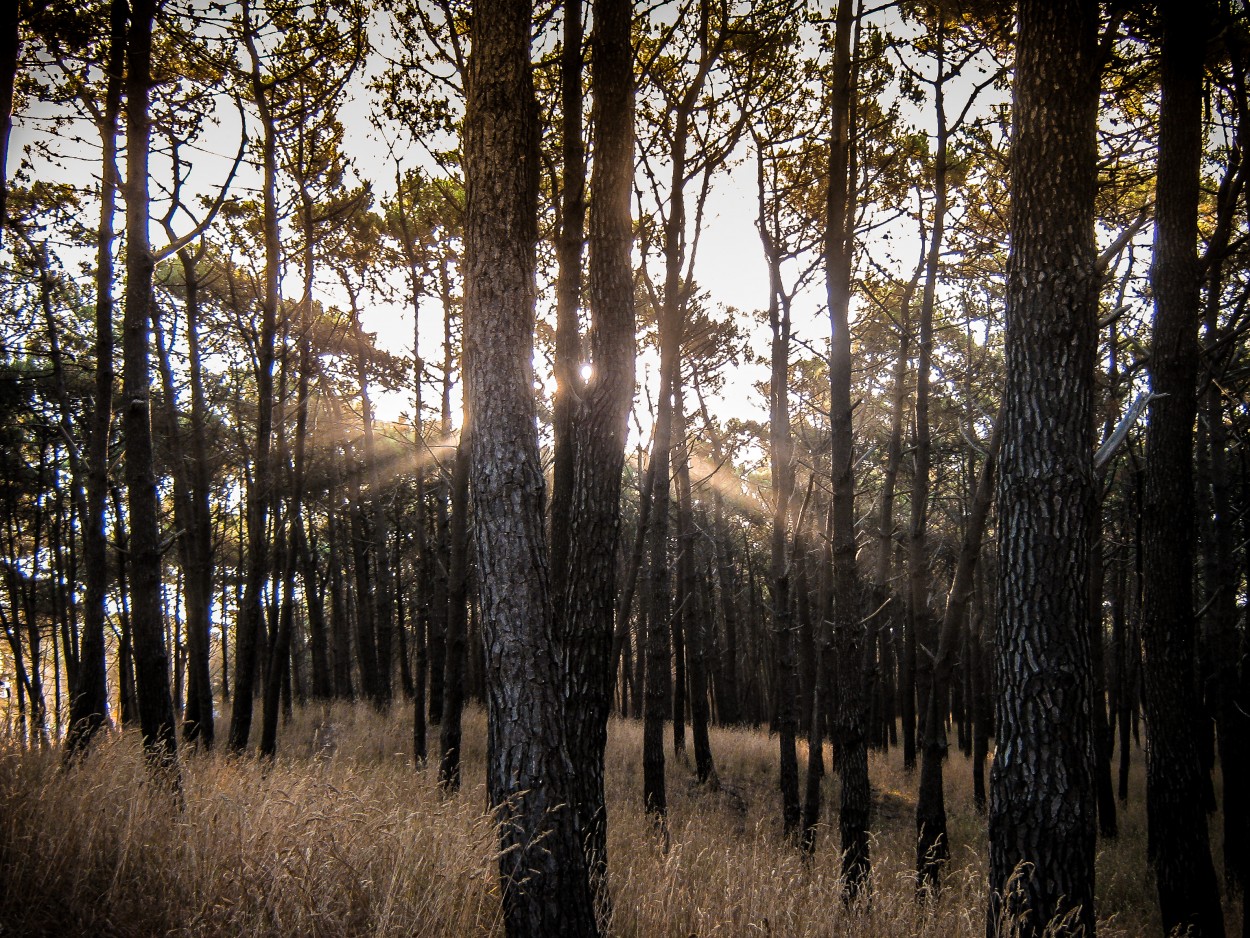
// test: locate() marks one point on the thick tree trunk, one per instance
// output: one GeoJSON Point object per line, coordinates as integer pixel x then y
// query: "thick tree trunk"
{"type": "Point", "coordinates": [543, 873]}
{"type": "Point", "coordinates": [1042, 787]}
{"type": "Point", "coordinates": [1178, 841]}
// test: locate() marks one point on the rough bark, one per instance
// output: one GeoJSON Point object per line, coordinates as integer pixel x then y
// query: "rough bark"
{"type": "Point", "coordinates": [543, 873]}
{"type": "Point", "coordinates": [600, 428]}
{"type": "Point", "coordinates": [1041, 820]}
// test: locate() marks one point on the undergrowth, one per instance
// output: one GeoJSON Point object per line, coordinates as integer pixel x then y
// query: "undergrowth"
{"type": "Point", "coordinates": [343, 836]}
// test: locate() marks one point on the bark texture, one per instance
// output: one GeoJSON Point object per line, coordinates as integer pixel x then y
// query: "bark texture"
{"type": "Point", "coordinates": [600, 429]}
{"type": "Point", "coordinates": [546, 890]}
{"type": "Point", "coordinates": [1042, 786]}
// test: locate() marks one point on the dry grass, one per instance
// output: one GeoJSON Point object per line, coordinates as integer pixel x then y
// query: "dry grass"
{"type": "Point", "coordinates": [358, 842]}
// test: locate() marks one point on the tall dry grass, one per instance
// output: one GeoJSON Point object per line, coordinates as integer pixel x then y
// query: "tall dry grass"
{"type": "Point", "coordinates": [342, 836]}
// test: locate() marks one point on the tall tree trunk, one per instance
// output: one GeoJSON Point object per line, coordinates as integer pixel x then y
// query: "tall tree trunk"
{"type": "Point", "coordinates": [156, 711]}
{"type": "Point", "coordinates": [691, 605]}
{"type": "Point", "coordinates": [781, 468]}
{"type": "Point", "coordinates": [932, 845]}
{"type": "Point", "coordinates": [88, 706]}
{"type": "Point", "coordinates": [457, 619]}
{"type": "Point", "coordinates": [197, 717]}
{"type": "Point", "coordinates": [918, 614]}
{"type": "Point", "coordinates": [362, 568]}
{"type": "Point", "coordinates": [891, 614]}
{"type": "Point", "coordinates": [248, 625]}
{"type": "Point", "coordinates": [381, 595]}
{"type": "Point", "coordinates": [600, 431]}
{"type": "Point", "coordinates": [1042, 787]}
{"type": "Point", "coordinates": [570, 241]}
{"type": "Point", "coordinates": [1178, 841]}
{"type": "Point", "coordinates": [543, 874]}
{"type": "Point", "coordinates": [1231, 713]}
{"type": "Point", "coordinates": [848, 628]}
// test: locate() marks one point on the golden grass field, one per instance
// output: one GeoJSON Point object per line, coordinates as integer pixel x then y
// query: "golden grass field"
{"type": "Point", "coordinates": [356, 841]}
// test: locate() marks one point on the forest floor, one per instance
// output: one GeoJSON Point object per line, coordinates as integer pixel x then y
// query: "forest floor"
{"type": "Point", "coordinates": [341, 836]}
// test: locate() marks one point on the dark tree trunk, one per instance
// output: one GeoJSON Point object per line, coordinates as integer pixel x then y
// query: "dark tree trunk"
{"type": "Point", "coordinates": [918, 613]}
{"type": "Point", "coordinates": [781, 469]}
{"type": "Point", "coordinates": [1178, 841]}
{"type": "Point", "coordinates": [249, 620]}
{"type": "Point", "coordinates": [191, 518]}
{"type": "Point", "coordinates": [362, 567]}
{"type": "Point", "coordinates": [340, 625]}
{"type": "Point", "coordinates": [457, 619]}
{"type": "Point", "coordinates": [891, 619]}
{"type": "Point", "coordinates": [1227, 652]}
{"type": "Point", "coordinates": [729, 703]}
{"type": "Point", "coordinates": [544, 881]}
{"type": "Point", "coordinates": [692, 614]}
{"type": "Point", "coordinates": [156, 711]}
{"type": "Point", "coordinates": [849, 630]}
{"type": "Point", "coordinates": [657, 687]}
{"type": "Point", "coordinates": [599, 433]}
{"type": "Point", "coordinates": [822, 651]}
{"type": "Point", "coordinates": [88, 706]}
{"type": "Point", "coordinates": [570, 242]}
{"type": "Point", "coordinates": [1042, 785]}
{"type": "Point", "coordinates": [9, 44]}
{"type": "Point", "coordinates": [932, 845]}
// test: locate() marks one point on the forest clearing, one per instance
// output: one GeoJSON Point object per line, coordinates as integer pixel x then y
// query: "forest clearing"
{"type": "Point", "coordinates": [354, 841]}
